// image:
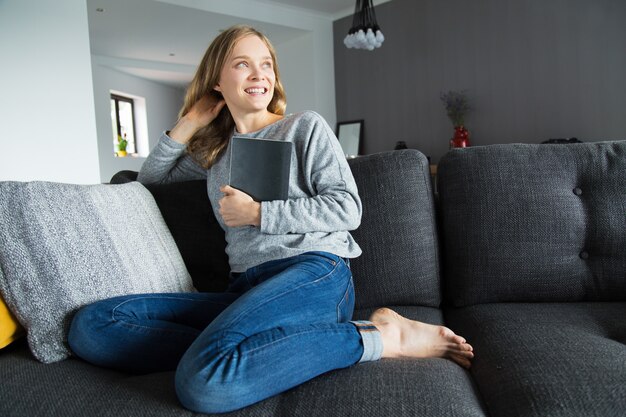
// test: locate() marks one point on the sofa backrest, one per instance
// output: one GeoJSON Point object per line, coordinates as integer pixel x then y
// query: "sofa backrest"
{"type": "Point", "coordinates": [534, 223]}
{"type": "Point", "coordinates": [400, 260]}
{"type": "Point", "coordinates": [398, 234]}
{"type": "Point", "coordinates": [198, 235]}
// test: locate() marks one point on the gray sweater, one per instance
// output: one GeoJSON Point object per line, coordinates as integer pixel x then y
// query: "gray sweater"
{"type": "Point", "coordinates": [323, 202]}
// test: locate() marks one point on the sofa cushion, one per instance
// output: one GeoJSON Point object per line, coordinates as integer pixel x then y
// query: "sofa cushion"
{"type": "Point", "coordinates": [547, 359]}
{"type": "Point", "coordinates": [390, 387]}
{"type": "Point", "coordinates": [63, 246]}
{"type": "Point", "coordinates": [400, 260]}
{"type": "Point", "coordinates": [534, 222]}
{"type": "Point", "coordinates": [398, 387]}
{"type": "Point", "coordinates": [394, 387]}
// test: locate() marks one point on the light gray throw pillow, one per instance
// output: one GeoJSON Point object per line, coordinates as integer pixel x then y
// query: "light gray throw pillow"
{"type": "Point", "coordinates": [63, 246]}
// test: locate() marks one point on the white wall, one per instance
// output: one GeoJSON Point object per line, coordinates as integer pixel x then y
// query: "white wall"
{"type": "Point", "coordinates": [46, 106]}
{"type": "Point", "coordinates": [296, 71]}
{"type": "Point", "coordinates": [162, 106]}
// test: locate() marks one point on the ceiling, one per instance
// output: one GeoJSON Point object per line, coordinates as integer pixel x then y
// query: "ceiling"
{"type": "Point", "coordinates": [163, 41]}
{"type": "Point", "coordinates": [323, 7]}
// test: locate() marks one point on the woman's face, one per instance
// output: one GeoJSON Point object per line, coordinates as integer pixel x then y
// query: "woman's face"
{"type": "Point", "coordinates": [247, 78]}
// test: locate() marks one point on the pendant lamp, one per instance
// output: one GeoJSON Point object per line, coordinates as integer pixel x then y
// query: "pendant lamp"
{"type": "Point", "coordinates": [364, 33]}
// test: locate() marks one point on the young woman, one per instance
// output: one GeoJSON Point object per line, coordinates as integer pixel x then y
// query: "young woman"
{"type": "Point", "coordinates": [285, 317]}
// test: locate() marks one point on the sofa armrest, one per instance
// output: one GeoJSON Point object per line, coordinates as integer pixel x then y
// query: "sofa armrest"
{"type": "Point", "coordinates": [123, 177]}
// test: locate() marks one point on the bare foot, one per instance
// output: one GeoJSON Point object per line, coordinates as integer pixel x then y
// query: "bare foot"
{"type": "Point", "coordinates": [408, 338]}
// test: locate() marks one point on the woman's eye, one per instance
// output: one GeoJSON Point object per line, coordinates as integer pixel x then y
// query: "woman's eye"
{"type": "Point", "coordinates": [241, 65]}
{"type": "Point", "coordinates": [267, 65]}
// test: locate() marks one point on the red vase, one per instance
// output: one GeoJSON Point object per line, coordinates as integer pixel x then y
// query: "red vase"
{"type": "Point", "coordinates": [461, 138]}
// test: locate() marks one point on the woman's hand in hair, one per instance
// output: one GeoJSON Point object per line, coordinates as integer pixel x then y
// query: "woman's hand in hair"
{"type": "Point", "coordinates": [201, 114]}
{"type": "Point", "coordinates": [238, 208]}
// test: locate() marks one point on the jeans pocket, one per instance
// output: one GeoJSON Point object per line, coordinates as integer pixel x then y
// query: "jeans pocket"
{"type": "Point", "coordinates": [345, 308]}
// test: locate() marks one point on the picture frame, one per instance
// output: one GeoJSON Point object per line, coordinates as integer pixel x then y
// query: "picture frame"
{"type": "Point", "coordinates": [350, 136]}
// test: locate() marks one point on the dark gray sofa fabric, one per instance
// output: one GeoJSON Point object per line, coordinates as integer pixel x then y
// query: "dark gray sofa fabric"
{"type": "Point", "coordinates": [75, 388]}
{"type": "Point", "coordinates": [401, 387]}
{"type": "Point", "coordinates": [545, 225]}
{"type": "Point", "coordinates": [396, 387]}
{"type": "Point", "coordinates": [398, 232]}
{"type": "Point", "coordinates": [534, 222]}
{"type": "Point", "coordinates": [195, 230]}
{"type": "Point", "coordinates": [547, 359]}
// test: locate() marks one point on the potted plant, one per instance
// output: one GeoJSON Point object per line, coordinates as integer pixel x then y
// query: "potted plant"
{"type": "Point", "coordinates": [457, 106]}
{"type": "Point", "coordinates": [121, 145]}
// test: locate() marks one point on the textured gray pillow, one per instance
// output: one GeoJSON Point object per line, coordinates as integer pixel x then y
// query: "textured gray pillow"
{"type": "Point", "coordinates": [63, 246]}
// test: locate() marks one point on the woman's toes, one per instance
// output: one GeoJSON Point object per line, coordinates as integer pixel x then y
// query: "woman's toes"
{"type": "Point", "coordinates": [465, 363]}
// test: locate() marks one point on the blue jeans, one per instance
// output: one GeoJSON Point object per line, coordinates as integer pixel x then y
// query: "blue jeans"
{"type": "Point", "coordinates": [278, 325]}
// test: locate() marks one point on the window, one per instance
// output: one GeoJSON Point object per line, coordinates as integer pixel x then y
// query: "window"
{"type": "Point", "coordinates": [123, 123]}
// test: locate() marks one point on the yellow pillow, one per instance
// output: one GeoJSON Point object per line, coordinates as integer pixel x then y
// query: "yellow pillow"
{"type": "Point", "coordinates": [10, 329]}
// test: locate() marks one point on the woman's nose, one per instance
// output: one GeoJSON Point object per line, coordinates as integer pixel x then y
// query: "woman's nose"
{"type": "Point", "coordinates": [256, 73]}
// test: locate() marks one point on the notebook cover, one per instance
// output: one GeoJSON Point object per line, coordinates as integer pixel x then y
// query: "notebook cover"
{"type": "Point", "coordinates": [260, 167]}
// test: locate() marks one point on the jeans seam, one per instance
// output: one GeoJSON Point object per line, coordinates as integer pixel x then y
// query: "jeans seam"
{"type": "Point", "coordinates": [252, 351]}
{"type": "Point", "coordinates": [154, 329]}
{"type": "Point", "coordinates": [344, 298]}
{"type": "Point", "coordinates": [128, 324]}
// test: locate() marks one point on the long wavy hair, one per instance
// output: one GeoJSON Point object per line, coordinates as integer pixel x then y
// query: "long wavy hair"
{"type": "Point", "coordinates": [207, 144]}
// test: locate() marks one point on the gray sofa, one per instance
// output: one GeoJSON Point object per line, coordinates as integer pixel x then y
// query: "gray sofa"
{"type": "Point", "coordinates": [522, 252]}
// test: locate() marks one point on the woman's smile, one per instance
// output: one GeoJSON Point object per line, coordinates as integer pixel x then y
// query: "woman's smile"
{"type": "Point", "coordinates": [254, 91]}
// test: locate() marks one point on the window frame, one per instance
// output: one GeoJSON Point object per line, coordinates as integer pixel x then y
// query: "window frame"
{"type": "Point", "coordinates": [117, 98]}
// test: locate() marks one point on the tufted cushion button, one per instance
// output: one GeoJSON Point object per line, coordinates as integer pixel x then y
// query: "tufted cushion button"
{"type": "Point", "coordinates": [578, 191]}
{"type": "Point", "coordinates": [584, 255]}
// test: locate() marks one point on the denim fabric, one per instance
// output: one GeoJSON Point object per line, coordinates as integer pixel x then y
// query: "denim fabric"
{"type": "Point", "coordinates": [278, 325]}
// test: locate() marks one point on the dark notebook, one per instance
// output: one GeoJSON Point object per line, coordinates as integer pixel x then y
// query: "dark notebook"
{"type": "Point", "coordinates": [260, 167]}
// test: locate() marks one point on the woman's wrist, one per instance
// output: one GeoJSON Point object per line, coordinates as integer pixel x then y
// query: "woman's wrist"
{"type": "Point", "coordinates": [184, 130]}
{"type": "Point", "coordinates": [256, 214]}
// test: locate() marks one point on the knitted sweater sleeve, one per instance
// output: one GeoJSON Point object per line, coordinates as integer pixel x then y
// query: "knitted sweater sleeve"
{"type": "Point", "coordinates": [334, 204]}
{"type": "Point", "coordinates": [168, 163]}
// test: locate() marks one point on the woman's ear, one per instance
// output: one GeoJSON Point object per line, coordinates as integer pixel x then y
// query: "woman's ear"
{"type": "Point", "coordinates": [217, 88]}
